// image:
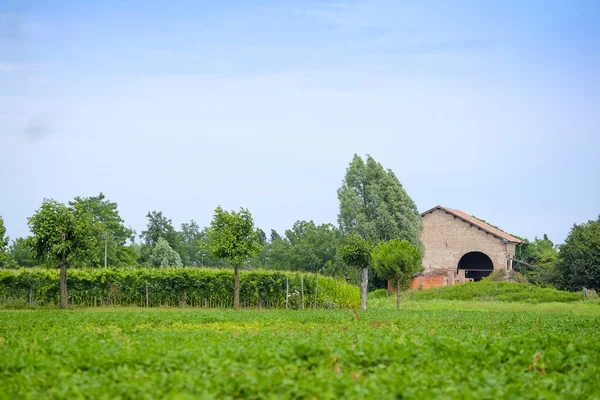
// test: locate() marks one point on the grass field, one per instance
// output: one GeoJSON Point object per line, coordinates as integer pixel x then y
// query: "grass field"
{"type": "Point", "coordinates": [433, 349]}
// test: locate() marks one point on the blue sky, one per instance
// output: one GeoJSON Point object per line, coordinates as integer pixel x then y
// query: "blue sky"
{"type": "Point", "coordinates": [488, 107]}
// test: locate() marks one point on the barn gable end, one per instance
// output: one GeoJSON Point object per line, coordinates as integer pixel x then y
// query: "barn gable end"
{"type": "Point", "coordinates": [450, 234]}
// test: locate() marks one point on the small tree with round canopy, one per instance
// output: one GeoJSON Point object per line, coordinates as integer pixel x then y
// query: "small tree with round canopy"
{"type": "Point", "coordinates": [60, 235]}
{"type": "Point", "coordinates": [356, 252]}
{"type": "Point", "coordinates": [396, 260]}
{"type": "Point", "coordinates": [232, 236]}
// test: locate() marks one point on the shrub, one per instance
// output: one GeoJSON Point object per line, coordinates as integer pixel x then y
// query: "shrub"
{"type": "Point", "coordinates": [505, 276]}
{"type": "Point", "coordinates": [379, 294]}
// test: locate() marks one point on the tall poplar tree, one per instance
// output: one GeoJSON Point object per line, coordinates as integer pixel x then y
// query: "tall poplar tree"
{"type": "Point", "coordinates": [374, 205]}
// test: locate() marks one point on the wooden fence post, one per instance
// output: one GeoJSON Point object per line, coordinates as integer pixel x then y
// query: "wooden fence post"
{"type": "Point", "coordinates": [287, 292]}
{"type": "Point", "coordinates": [302, 289]}
{"type": "Point", "coordinates": [316, 290]}
{"type": "Point", "coordinates": [147, 297]}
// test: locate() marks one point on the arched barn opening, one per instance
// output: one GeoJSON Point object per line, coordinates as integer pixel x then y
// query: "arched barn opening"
{"type": "Point", "coordinates": [476, 265]}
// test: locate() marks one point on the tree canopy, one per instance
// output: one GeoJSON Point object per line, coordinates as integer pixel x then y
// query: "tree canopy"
{"type": "Point", "coordinates": [158, 227]}
{"type": "Point", "coordinates": [232, 236]}
{"type": "Point", "coordinates": [60, 235]}
{"type": "Point", "coordinates": [305, 247]}
{"type": "Point", "coordinates": [542, 255]}
{"type": "Point", "coordinates": [107, 230]}
{"type": "Point", "coordinates": [396, 260]}
{"type": "Point", "coordinates": [374, 205]}
{"type": "Point", "coordinates": [164, 256]}
{"type": "Point", "coordinates": [579, 257]}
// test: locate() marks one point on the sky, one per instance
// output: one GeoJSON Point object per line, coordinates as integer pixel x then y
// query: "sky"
{"type": "Point", "coordinates": [490, 107]}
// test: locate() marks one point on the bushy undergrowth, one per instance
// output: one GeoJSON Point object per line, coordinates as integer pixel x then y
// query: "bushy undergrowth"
{"type": "Point", "coordinates": [506, 276]}
{"type": "Point", "coordinates": [491, 291]}
{"type": "Point", "coordinates": [199, 287]}
{"type": "Point", "coordinates": [379, 294]}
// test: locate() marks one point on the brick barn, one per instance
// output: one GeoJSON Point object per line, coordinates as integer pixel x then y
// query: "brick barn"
{"type": "Point", "coordinates": [460, 247]}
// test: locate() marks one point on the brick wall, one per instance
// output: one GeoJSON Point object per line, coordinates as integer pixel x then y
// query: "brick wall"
{"type": "Point", "coordinates": [447, 238]}
{"type": "Point", "coordinates": [427, 282]}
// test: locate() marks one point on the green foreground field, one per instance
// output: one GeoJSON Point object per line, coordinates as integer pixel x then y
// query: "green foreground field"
{"type": "Point", "coordinates": [437, 349]}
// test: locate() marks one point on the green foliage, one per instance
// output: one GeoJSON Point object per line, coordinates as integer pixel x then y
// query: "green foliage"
{"type": "Point", "coordinates": [158, 227]}
{"type": "Point", "coordinates": [126, 256]}
{"type": "Point", "coordinates": [60, 234]}
{"type": "Point", "coordinates": [374, 205]}
{"type": "Point", "coordinates": [305, 247]}
{"type": "Point", "coordinates": [4, 240]}
{"type": "Point", "coordinates": [500, 291]}
{"type": "Point", "coordinates": [542, 254]}
{"type": "Point", "coordinates": [506, 276]}
{"type": "Point", "coordinates": [199, 287]}
{"type": "Point", "coordinates": [262, 236]}
{"type": "Point", "coordinates": [445, 352]}
{"type": "Point", "coordinates": [20, 254]}
{"type": "Point", "coordinates": [396, 260]}
{"type": "Point", "coordinates": [379, 294]}
{"type": "Point", "coordinates": [356, 251]}
{"type": "Point", "coordinates": [164, 256]}
{"type": "Point", "coordinates": [191, 240]}
{"type": "Point", "coordinates": [232, 236]}
{"type": "Point", "coordinates": [579, 258]}
{"type": "Point", "coordinates": [274, 235]}
{"type": "Point", "coordinates": [106, 221]}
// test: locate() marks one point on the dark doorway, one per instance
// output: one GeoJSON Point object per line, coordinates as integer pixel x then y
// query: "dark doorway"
{"type": "Point", "coordinates": [476, 265]}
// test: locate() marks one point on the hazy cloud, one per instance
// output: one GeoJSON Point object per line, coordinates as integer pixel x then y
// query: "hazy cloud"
{"type": "Point", "coordinates": [37, 127]}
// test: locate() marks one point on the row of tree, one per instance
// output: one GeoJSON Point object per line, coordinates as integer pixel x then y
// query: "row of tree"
{"type": "Point", "coordinates": [374, 209]}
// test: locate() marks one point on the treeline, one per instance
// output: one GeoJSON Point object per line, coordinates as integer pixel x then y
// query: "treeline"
{"type": "Point", "coordinates": [305, 247]}
{"type": "Point", "coordinates": [373, 205]}
{"type": "Point", "coordinates": [573, 265]}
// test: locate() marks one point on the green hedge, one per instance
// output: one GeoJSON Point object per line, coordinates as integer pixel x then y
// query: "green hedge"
{"type": "Point", "coordinates": [197, 287]}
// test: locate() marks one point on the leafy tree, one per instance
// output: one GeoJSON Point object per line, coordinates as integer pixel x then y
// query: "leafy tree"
{"type": "Point", "coordinates": [20, 254]}
{"type": "Point", "coordinates": [356, 252]}
{"type": "Point", "coordinates": [4, 240]}
{"type": "Point", "coordinates": [312, 247]}
{"type": "Point", "coordinates": [374, 205]}
{"type": "Point", "coordinates": [164, 256]}
{"type": "Point", "coordinates": [59, 236]}
{"type": "Point", "coordinates": [159, 227]}
{"type": "Point", "coordinates": [542, 256]}
{"type": "Point", "coordinates": [274, 235]}
{"type": "Point", "coordinates": [579, 257]}
{"type": "Point", "coordinates": [109, 230]}
{"type": "Point", "coordinates": [232, 236]}
{"type": "Point", "coordinates": [396, 260]}
{"type": "Point", "coordinates": [262, 236]}
{"type": "Point", "coordinates": [126, 256]}
{"type": "Point", "coordinates": [278, 253]}
{"type": "Point", "coordinates": [305, 247]}
{"type": "Point", "coordinates": [190, 238]}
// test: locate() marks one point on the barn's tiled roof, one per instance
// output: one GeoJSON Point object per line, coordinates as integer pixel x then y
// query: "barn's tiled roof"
{"type": "Point", "coordinates": [476, 222]}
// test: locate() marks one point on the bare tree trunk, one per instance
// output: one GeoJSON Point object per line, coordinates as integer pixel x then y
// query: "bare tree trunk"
{"type": "Point", "coordinates": [236, 288]}
{"type": "Point", "coordinates": [64, 299]}
{"type": "Point", "coordinates": [363, 288]}
{"type": "Point", "coordinates": [398, 294]}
